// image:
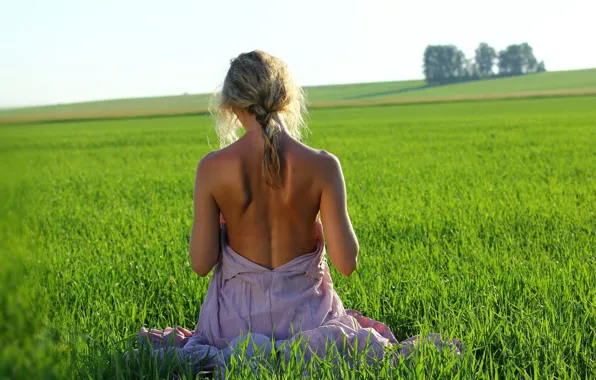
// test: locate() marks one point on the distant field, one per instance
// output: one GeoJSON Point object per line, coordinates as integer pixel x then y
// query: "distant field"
{"type": "Point", "coordinates": [562, 80]}
{"type": "Point", "coordinates": [475, 220]}
{"type": "Point", "coordinates": [577, 82]}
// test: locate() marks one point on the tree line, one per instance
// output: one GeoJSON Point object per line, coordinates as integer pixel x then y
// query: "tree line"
{"type": "Point", "coordinates": [445, 64]}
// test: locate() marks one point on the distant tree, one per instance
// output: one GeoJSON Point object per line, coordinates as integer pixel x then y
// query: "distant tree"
{"type": "Point", "coordinates": [517, 60]}
{"type": "Point", "coordinates": [447, 64]}
{"type": "Point", "coordinates": [471, 71]}
{"type": "Point", "coordinates": [485, 60]}
{"type": "Point", "coordinates": [509, 61]}
{"type": "Point", "coordinates": [529, 62]}
{"type": "Point", "coordinates": [444, 64]}
{"type": "Point", "coordinates": [432, 65]}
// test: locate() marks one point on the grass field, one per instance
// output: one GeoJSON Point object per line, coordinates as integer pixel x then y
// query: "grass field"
{"type": "Point", "coordinates": [476, 220]}
{"type": "Point", "coordinates": [543, 84]}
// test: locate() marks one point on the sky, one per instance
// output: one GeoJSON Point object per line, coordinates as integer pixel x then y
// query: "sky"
{"type": "Point", "coordinates": [64, 51]}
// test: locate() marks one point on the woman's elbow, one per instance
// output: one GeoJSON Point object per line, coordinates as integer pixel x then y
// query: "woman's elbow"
{"type": "Point", "coordinates": [202, 267]}
{"type": "Point", "coordinates": [201, 270]}
{"type": "Point", "coordinates": [349, 267]}
{"type": "Point", "coordinates": [351, 262]}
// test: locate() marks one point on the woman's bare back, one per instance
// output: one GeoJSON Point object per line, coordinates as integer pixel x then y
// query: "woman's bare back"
{"type": "Point", "coordinates": [272, 226]}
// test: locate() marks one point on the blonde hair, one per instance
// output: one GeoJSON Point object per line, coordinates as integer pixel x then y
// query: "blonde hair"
{"type": "Point", "coordinates": [262, 85]}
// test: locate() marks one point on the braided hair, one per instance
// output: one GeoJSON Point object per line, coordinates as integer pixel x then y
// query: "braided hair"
{"type": "Point", "coordinates": [261, 84]}
{"type": "Point", "coordinates": [271, 166]}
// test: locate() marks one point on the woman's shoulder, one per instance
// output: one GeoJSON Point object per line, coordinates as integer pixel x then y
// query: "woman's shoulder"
{"type": "Point", "coordinates": [218, 157]}
{"type": "Point", "coordinates": [207, 162]}
{"type": "Point", "coordinates": [327, 157]}
{"type": "Point", "coordinates": [320, 156]}
{"type": "Point", "coordinates": [215, 163]}
{"type": "Point", "coordinates": [318, 162]}
{"type": "Point", "coordinates": [324, 159]}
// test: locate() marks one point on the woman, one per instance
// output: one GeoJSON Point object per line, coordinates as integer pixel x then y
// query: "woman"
{"type": "Point", "coordinates": [256, 221]}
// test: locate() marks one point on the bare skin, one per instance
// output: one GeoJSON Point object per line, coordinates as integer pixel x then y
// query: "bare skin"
{"type": "Point", "coordinates": [270, 226]}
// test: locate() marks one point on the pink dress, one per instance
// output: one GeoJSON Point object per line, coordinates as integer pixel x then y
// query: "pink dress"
{"type": "Point", "coordinates": [292, 300]}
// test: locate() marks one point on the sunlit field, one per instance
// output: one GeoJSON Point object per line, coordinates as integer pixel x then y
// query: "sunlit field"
{"type": "Point", "coordinates": [557, 83]}
{"type": "Point", "coordinates": [476, 220]}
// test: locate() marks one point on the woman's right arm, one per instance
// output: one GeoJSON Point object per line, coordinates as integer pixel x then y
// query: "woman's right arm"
{"type": "Point", "coordinates": [342, 244]}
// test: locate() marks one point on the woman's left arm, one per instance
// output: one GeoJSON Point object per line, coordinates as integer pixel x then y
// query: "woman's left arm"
{"type": "Point", "coordinates": [206, 228]}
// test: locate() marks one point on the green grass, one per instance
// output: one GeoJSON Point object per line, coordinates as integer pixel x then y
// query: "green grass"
{"type": "Point", "coordinates": [476, 220]}
{"type": "Point", "coordinates": [414, 90]}
{"type": "Point", "coordinates": [360, 90]}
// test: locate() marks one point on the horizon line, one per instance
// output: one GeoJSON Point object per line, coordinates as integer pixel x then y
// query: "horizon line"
{"type": "Point", "coordinates": [7, 108]}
